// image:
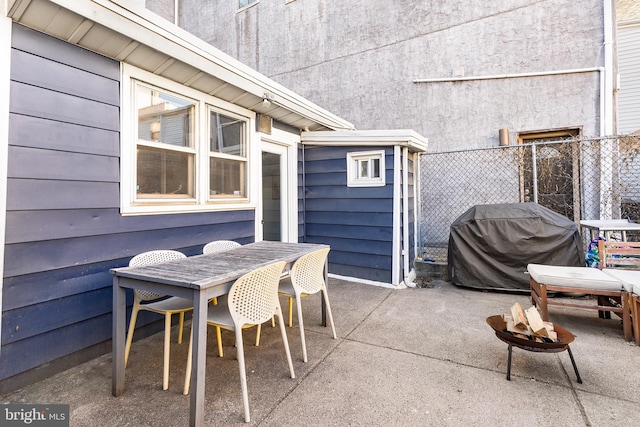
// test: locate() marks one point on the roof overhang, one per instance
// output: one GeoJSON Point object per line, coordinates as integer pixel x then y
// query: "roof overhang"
{"type": "Point", "coordinates": [127, 32]}
{"type": "Point", "coordinates": [370, 138]}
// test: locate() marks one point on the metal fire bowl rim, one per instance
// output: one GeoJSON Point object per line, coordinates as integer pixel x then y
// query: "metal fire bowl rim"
{"type": "Point", "coordinates": [500, 327]}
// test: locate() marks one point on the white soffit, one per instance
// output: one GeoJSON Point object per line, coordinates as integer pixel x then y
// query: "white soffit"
{"type": "Point", "coordinates": [383, 138]}
{"type": "Point", "coordinates": [125, 31]}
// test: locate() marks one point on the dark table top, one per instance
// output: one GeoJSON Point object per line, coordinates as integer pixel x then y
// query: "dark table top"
{"type": "Point", "coordinates": [204, 271]}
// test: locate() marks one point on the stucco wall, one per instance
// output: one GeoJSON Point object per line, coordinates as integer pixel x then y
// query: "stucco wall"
{"type": "Point", "coordinates": [359, 59]}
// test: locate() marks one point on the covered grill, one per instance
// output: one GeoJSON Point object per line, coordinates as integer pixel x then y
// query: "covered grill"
{"type": "Point", "coordinates": [491, 245]}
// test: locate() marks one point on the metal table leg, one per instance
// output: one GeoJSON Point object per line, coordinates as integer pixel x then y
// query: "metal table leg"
{"type": "Point", "coordinates": [575, 368]}
{"type": "Point", "coordinates": [509, 363]}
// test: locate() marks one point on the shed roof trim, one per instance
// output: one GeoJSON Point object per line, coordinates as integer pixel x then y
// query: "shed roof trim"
{"type": "Point", "coordinates": [402, 137]}
{"type": "Point", "coordinates": [125, 31]}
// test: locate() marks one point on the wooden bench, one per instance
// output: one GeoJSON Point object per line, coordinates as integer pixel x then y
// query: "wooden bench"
{"type": "Point", "coordinates": [612, 285]}
{"type": "Point", "coordinates": [622, 261]}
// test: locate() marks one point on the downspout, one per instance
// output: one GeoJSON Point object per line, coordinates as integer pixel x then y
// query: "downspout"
{"type": "Point", "coordinates": [606, 114]}
{"type": "Point", "coordinates": [176, 8]}
{"type": "Point", "coordinates": [405, 217]}
{"type": "Point", "coordinates": [396, 255]}
{"type": "Point", "coordinates": [5, 82]}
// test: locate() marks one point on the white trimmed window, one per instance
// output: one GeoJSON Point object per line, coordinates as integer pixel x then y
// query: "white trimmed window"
{"type": "Point", "coordinates": [182, 150]}
{"type": "Point", "coordinates": [365, 169]}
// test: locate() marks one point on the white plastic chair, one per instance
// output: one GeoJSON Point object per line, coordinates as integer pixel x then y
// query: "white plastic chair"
{"type": "Point", "coordinates": [219, 246]}
{"type": "Point", "coordinates": [306, 278]}
{"type": "Point", "coordinates": [213, 247]}
{"type": "Point", "coordinates": [252, 300]}
{"type": "Point", "coordinates": [145, 300]}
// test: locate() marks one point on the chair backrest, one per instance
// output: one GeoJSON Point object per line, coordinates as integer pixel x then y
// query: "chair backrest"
{"type": "Point", "coordinates": [307, 273]}
{"type": "Point", "coordinates": [153, 257]}
{"type": "Point", "coordinates": [623, 255]}
{"type": "Point", "coordinates": [219, 246]}
{"type": "Point", "coordinates": [253, 298]}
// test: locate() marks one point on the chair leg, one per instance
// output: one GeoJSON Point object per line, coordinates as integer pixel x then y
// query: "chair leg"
{"type": "Point", "coordinates": [258, 330]}
{"type": "Point", "coordinates": [167, 343]}
{"type": "Point", "coordinates": [290, 312]}
{"type": "Point", "coordinates": [219, 338]}
{"type": "Point", "coordinates": [330, 315]}
{"type": "Point", "coordinates": [132, 327]}
{"type": "Point", "coordinates": [181, 326]}
{"type": "Point", "coordinates": [301, 326]}
{"type": "Point", "coordinates": [626, 316]}
{"type": "Point", "coordinates": [635, 309]}
{"type": "Point", "coordinates": [243, 374]}
{"type": "Point", "coordinates": [284, 339]}
{"type": "Point", "coordinates": [187, 377]}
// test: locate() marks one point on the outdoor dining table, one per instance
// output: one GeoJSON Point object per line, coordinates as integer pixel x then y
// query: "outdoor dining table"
{"type": "Point", "coordinates": [608, 226]}
{"type": "Point", "coordinates": [198, 278]}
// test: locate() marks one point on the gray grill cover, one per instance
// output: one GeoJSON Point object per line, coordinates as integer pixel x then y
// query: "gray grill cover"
{"type": "Point", "coordinates": [491, 245]}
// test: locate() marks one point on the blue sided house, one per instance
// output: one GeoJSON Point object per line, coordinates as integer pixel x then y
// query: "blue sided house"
{"type": "Point", "coordinates": [121, 133]}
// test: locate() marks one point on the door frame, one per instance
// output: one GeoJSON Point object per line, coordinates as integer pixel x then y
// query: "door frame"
{"type": "Point", "coordinates": [285, 144]}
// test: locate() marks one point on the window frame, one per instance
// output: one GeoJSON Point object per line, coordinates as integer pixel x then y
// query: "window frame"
{"type": "Point", "coordinates": [354, 160]}
{"type": "Point", "coordinates": [204, 105]}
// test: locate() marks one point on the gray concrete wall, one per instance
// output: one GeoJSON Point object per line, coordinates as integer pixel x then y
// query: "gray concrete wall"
{"type": "Point", "coordinates": [359, 59]}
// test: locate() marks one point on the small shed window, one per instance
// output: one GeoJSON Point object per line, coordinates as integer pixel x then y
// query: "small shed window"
{"type": "Point", "coordinates": [365, 169]}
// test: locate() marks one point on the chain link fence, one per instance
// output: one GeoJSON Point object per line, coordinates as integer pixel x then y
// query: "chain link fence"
{"type": "Point", "coordinates": [579, 178]}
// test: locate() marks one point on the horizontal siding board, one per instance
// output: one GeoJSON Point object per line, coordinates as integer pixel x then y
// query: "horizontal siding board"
{"type": "Point", "coordinates": [47, 316]}
{"type": "Point", "coordinates": [338, 165]}
{"type": "Point", "coordinates": [362, 233]}
{"type": "Point", "coordinates": [312, 154]}
{"type": "Point", "coordinates": [28, 194]}
{"type": "Point", "coordinates": [332, 178]}
{"type": "Point", "coordinates": [45, 46]}
{"type": "Point", "coordinates": [27, 258]}
{"type": "Point", "coordinates": [27, 131]}
{"type": "Point", "coordinates": [28, 226]}
{"type": "Point", "coordinates": [345, 245]}
{"type": "Point", "coordinates": [37, 71]}
{"type": "Point", "coordinates": [61, 165]}
{"type": "Point", "coordinates": [345, 205]}
{"type": "Point", "coordinates": [361, 260]}
{"type": "Point", "coordinates": [38, 102]}
{"type": "Point", "coordinates": [378, 219]}
{"type": "Point", "coordinates": [377, 275]}
{"type": "Point", "coordinates": [51, 285]}
{"type": "Point", "coordinates": [355, 194]}
{"type": "Point", "coordinates": [27, 354]}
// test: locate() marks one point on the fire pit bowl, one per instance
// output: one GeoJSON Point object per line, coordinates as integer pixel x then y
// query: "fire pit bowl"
{"type": "Point", "coordinates": [500, 327]}
{"type": "Point", "coordinates": [564, 339]}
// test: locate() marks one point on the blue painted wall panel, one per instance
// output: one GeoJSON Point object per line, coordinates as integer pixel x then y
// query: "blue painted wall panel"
{"type": "Point", "coordinates": [356, 221]}
{"type": "Point", "coordinates": [64, 229]}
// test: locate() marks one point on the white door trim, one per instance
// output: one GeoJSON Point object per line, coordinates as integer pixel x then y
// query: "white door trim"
{"type": "Point", "coordinates": [285, 144]}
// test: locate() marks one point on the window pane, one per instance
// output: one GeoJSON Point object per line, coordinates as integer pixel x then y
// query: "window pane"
{"type": "Point", "coordinates": [227, 178]}
{"type": "Point", "coordinates": [363, 169]}
{"type": "Point", "coordinates": [164, 118]}
{"type": "Point", "coordinates": [227, 134]}
{"type": "Point", "coordinates": [375, 166]}
{"type": "Point", "coordinates": [164, 173]}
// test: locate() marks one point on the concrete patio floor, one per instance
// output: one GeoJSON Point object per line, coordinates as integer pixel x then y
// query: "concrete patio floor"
{"type": "Point", "coordinates": [414, 357]}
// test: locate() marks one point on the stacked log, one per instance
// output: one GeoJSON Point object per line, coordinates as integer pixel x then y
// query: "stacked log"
{"type": "Point", "coordinates": [528, 324]}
